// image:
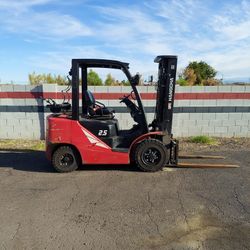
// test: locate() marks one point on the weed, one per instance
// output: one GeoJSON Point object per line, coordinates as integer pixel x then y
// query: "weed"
{"type": "Point", "coordinates": [22, 145]}
{"type": "Point", "coordinates": [203, 139]}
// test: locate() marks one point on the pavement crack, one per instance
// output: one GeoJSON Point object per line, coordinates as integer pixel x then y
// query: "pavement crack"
{"type": "Point", "coordinates": [150, 216]}
{"type": "Point", "coordinates": [17, 230]}
{"type": "Point", "coordinates": [183, 209]}
{"type": "Point", "coordinates": [74, 197]}
{"type": "Point", "coordinates": [211, 201]}
{"type": "Point", "coordinates": [236, 195]}
{"type": "Point", "coordinates": [3, 246]}
{"type": "Point", "coordinates": [86, 224]}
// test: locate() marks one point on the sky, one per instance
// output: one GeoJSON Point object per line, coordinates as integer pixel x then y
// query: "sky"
{"type": "Point", "coordinates": [44, 35]}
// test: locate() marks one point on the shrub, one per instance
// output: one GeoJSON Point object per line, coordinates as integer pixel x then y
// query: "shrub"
{"type": "Point", "coordinates": [203, 139]}
{"type": "Point", "coordinates": [182, 82]}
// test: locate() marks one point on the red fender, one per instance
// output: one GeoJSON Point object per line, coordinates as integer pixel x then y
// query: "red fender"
{"type": "Point", "coordinates": [144, 136]}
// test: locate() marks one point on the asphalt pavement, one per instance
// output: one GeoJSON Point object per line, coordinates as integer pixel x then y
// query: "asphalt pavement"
{"type": "Point", "coordinates": [118, 207]}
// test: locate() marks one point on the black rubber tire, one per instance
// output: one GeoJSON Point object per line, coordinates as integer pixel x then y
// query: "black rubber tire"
{"type": "Point", "coordinates": [62, 153]}
{"type": "Point", "coordinates": [151, 155]}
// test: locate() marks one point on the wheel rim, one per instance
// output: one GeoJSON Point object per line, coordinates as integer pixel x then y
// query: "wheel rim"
{"type": "Point", "coordinates": [151, 156]}
{"type": "Point", "coordinates": [66, 160]}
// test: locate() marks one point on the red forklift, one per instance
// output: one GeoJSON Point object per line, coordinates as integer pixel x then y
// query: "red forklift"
{"type": "Point", "coordinates": [90, 134]}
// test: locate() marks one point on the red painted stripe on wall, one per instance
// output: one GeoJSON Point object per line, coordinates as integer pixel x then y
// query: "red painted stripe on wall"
{"type": "Point", "coordinates": [115, 96]}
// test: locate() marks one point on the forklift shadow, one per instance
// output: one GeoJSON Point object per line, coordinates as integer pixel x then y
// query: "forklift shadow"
{"type": "Point", "coordinates": [25, 160]}
{"type": "Point", "coordinates": [122, 167]}
{"type": "Point", "coordinates": [35, 161]}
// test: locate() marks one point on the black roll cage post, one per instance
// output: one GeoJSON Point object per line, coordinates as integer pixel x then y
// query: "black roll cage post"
{"type": "Point", "coordinates": [84, 64]}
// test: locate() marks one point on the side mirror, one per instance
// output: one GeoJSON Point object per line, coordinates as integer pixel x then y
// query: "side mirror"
{"type": "Point", "coordinates": [136, 79]}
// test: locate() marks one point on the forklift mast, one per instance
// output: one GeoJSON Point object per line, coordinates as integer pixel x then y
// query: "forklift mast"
{"type": "Point", "coordinates": [165, 93]}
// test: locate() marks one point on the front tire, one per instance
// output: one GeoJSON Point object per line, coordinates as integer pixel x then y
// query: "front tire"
{"type": "Point", "coordinates": [65, 159]}
{"type": "Point", "coordinates": [151, 155]}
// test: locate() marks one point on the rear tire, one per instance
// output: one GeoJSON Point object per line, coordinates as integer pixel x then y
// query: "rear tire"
{"type": "Point", "coordinates": [151, 155]}
{"type": "Point", "coordinates": [65, 159]}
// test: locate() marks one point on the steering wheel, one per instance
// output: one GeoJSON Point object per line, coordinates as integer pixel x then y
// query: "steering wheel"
{"type": "Point", "coordinates": [127, 96]}
{"type": "Point", "coordinates": [134, 110]}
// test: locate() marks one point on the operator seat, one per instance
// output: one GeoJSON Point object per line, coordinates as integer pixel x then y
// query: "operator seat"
{"type": "Point", "coordinates": [96, 110]}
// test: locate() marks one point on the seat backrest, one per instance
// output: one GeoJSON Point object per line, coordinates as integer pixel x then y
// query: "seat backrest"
{"type": "Point", "coordinates": [88, 98]}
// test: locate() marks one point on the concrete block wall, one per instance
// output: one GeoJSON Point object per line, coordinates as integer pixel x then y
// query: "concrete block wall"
{"type": "Point", "coordinates": [18, 112]}
{"type": "Point", "coordinates": [222, 111]}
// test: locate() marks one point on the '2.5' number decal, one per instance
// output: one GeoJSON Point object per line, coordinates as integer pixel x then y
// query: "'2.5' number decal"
{"type": "Point", "coordinates": [102, 132]}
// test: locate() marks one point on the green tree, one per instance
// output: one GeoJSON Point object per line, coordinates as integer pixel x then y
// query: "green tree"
{"type": "Point", "coordinates": [125, 83]}
{"type": "Point", "coordinates": [198, 73]}
{"type": "Point", "coordinates": [61, 80]}
{"type": "Point", "coordinates": [93, 78]}
{"type": "Point", "coordinates": [202, 70]}
{"type": "Point", "coordinates": [109, 80]}
{"type": "Point", "coordinates": [35, 79]}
